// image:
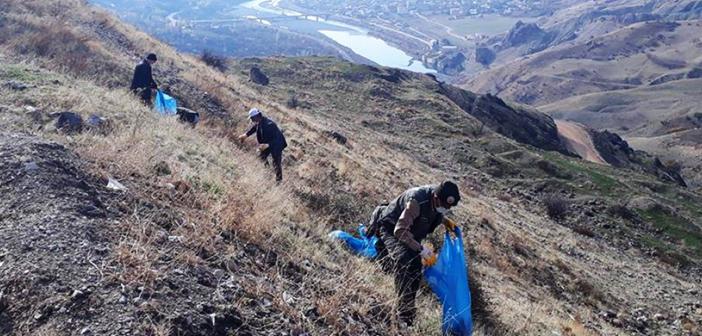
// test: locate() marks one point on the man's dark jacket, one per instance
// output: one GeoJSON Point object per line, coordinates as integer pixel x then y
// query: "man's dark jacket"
{"type": "Point", "coordinates": [143, 78]}
{"type": "Point", "coordinates": [267, 132]}
{"type": "Point", "coordinates": [427, 221]}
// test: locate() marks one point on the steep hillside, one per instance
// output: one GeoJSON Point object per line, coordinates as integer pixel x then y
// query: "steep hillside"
{"type": "Point", "coordinates": [203, 242]}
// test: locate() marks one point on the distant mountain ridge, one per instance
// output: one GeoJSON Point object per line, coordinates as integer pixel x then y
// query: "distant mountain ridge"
{"type": "Point", "coordinates": [626, 66]}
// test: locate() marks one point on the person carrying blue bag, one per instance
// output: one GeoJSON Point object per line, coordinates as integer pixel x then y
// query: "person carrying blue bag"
{"type": "Point", "coordinates": [143, 80]}
{"type": "Point", "coordinates": [400, 228]}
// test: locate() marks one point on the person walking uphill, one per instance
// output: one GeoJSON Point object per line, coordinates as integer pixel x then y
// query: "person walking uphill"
{"type": "Point", "coordinates": [271, 140]}
{"type": "Point", "coordinates": [401, 227]}
{"type": "Point", "coordinates": [143, 80]}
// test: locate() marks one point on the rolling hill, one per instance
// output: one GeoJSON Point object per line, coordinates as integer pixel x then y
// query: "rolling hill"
{"type": "Point", "coordinates": [626, 67]}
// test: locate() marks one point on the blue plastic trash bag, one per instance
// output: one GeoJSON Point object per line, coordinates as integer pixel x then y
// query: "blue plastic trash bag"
{"type": "Point", "coordinates": [448, 278]}
{"type": "Point", "coordinates": [165, 104]}
{"type": "Point", "coordinates": [362, 246]}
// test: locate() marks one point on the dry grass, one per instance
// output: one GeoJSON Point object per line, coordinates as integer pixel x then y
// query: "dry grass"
{"type": "Point", "coordinates": [226, 193]}
{"type": "Point", "coordinates": [575, 327]}
{"type": "Point", "coordinates": [229, 193]}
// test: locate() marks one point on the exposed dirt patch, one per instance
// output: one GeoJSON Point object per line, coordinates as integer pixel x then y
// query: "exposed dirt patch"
{"type": "Point", "coordinates": [54, 227]}
{"type": "Point", "coordinates": [578, 140]}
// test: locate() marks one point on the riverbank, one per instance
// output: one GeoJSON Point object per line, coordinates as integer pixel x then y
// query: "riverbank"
{"type": "Point", "coordinates": [373, 42]}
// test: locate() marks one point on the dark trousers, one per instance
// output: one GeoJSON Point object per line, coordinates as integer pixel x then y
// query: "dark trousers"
{"type": "Point", "coordinates": [406, 265]}
{"type": "Point", "coordinates": [145, 95]}
{"type": "Point", "coordinates": [277, 161]}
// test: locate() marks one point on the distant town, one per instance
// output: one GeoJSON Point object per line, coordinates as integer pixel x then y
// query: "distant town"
{"type": "Point", "coordinates": [442, 34]}
{"type": "Point", "coordinates": [457, 8]}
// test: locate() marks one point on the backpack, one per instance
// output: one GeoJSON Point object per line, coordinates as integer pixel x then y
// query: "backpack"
{"type": "Point", "coordinates": [373, 225]}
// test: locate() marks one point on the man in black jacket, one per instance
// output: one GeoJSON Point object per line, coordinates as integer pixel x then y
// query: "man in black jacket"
{"type": "Point", "coordinates": [271, 140]}
{"type": "Point", "coordinates": [401, 227]}
{"type": "Point", "coordinates": [143, 80]}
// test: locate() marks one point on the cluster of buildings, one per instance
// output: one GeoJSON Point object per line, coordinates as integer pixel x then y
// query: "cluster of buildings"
{"type": "Point", "coordinates": [444, 57]}
{"type": "Point", "coordinates": [456, 8]}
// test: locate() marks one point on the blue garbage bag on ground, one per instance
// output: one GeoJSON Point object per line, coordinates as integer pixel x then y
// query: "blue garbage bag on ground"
{"type": "Point", "coordinates": [165, 104]}
{"type": "Point", "coordinates": [448, 278]}
{"type": "Point", "coordinates": [362, 246]}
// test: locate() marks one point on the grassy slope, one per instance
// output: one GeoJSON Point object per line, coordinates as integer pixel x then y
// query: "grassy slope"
{"type": "Point", "coordinates": [640, 110]}
{"type": "Point", "coordinates": [540, 275]}
{"type": "Point", "coordinates": [406, 124]}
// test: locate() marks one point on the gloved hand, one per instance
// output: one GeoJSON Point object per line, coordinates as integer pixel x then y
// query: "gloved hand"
{"type": "Point", "coordinates": [428, 256]}
{"type": "Point", "coordinates": [449, 224]}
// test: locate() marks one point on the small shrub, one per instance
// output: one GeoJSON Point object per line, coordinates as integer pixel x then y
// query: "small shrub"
{"type": "Point", "coordinates": [504, 197]}
{"type": "Point", "coordinates": [478, 131]}
{"type": "Point", "coordinates": [292, 101]}
{"type": "Point", "coordinates": [556, 206]}
{"type": "Point", "coordinates": [674, 259]}
{"type": "Point", "coordinates": [553, 170]}
{"type": "Point", "coordinates": [590, 292]}
{"type": "Point", "coordinates": [584, 230]}
{"type": "Point", "coordinates": [522, 250]}
{"type": "Point", "coordinates": [213, 60]}
{"type": "Point", "coordinates": [621, 211]}
{"type": "Point", "coordinates": [674, 166]}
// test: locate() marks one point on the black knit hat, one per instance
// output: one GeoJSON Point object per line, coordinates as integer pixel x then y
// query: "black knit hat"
{"type": "Point", "coordinates": [448, 193]}
{"type": "Point", "coordinates": [151, 57]}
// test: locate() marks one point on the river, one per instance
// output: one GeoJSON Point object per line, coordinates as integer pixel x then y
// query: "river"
{"type": "Point", "coordinates": [355, 38]}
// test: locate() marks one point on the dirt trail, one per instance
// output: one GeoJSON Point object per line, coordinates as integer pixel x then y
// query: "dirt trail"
{"type": "Point", "coordinates": [578, 140]}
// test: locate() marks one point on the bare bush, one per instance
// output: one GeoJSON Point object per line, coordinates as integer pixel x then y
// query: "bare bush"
{"type": "Point", "coordinates": [292, 101]}
{"type": "Point", "coordinates": [216, 61]}
{"type": "Point", "coordinates": [621, 211]}
{"type": "Point", "coordinates": [584, 230]}
{"type": "Point", "coordinates": [504, 197]}
{"type": "Point", "coordinates": [556, 206]}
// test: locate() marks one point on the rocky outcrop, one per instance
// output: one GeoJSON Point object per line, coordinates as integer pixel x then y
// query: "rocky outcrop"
{"type": "Point", "coordinates": [451, 63]}
{"type": "Point", "coordinates": [695, 73]}
{"type": "Point", "coordinates": [631, 18]}
{"type": "Point", "coordinates": [667, 78]}
{"type": "Point", "coordinates": [257, 76]}
{"type": "Point", "coordinates": [69, 122]}
{"type": "Point", "coordinates": [528, 34]}
{"type": "Point", "coordinates": [527, 127]}
{"type": "Point", "coordinates": [612, 148]}
{"type": "Point", "coordinates": [484, 56]}
{"type": "Point", "coordinates": [523, 33]}
{"type": "Point", "coordinates": [616, 151]}
{"type": "Point", "coordinates": [679, 10]}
